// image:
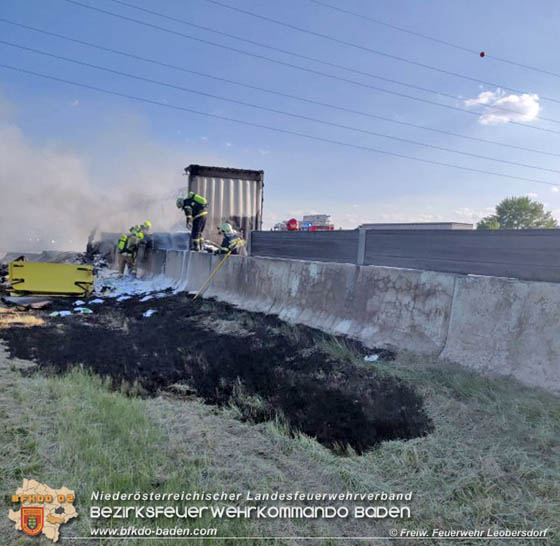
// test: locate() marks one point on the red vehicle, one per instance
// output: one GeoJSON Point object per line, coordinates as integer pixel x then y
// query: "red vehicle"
{"type": "Point", "coordinates": [292, 225]}
{"type": "Point", "coordinates": [322, 228]}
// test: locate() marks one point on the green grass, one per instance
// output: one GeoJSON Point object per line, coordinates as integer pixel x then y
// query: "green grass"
{"type": "Point", "coordinates": [77, 431]}
{"type": "Point", "coordinates": [493, 460]}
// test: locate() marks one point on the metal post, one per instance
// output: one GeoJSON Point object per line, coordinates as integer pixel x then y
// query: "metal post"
{"type": "Point", "coordinates": [249, 238]}
{"type": "Point", "coordinates": [361, 258]}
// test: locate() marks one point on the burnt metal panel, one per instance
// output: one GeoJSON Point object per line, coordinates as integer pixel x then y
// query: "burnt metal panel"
{"type": "Point", "coordinates": [234, 195]}
{"type": "Point", "coordinates": [523, 254]}
{"type": "Point", "coordinates": [224, 172]}
{"type": "Point", "coordinates": [325, 246]}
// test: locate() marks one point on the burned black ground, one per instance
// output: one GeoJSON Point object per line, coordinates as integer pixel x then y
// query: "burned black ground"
{"type": "Point", "coordinates": [225, 355]}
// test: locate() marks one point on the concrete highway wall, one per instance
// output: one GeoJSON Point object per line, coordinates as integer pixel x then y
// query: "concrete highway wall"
{"type": "Point", "coordinates": [491, 324]}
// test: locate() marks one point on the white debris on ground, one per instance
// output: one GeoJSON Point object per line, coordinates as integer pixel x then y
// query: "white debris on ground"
{"type": "Point", "coordinates": [60, 313]}
{"type": "Point", "coordinates": [83, 310]}
{"type": "Point", "coordinates": [111, 284]}
{"type": "Point", "coordinates": [371, 358]}
{"type": "Point", "coordinates": [79, 302]}
{"type": "Point", "coordinates": [123, 298]}
{"type": "Point", "coordinates": [146, 298]}
{"type": "Point", "coordinates": [149, 313]}
{"type": "Point", "coordinates": [96, 301]}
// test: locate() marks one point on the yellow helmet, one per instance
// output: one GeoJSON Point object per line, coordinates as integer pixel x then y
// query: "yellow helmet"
{"type": "Point", "coordinates": [147, 224]}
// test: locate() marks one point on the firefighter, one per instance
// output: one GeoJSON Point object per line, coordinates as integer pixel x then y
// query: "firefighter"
{"type": "Point", "coordinates": [144, 228]}
{"type": "Point", "coordinates": [129, 246]}
{"type": "Point", "coordinates": [126, 247]}
{"type": "Point", "coordinates": [144, 240]}
{"type": "Point", "coordinates": [232, 241]}
{"type": "Point", "coordinates": [195, 208]}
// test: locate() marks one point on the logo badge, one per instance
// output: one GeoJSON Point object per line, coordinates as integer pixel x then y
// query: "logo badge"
{"type": "Point", "coordinates": [41, 509]}
{"type": "Point", "coordinates": [32, 519]}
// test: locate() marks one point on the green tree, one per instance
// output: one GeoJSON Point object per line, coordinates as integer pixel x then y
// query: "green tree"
{"type": "Point", "coordinates": [518, 213]}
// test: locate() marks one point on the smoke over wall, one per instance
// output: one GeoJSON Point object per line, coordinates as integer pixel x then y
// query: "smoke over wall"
{"type": "Point", "coordinates": [51, 197]}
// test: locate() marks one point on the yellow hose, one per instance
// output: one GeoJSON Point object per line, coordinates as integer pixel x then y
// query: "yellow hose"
{"type": "Point", "coordinates": [216, 269]}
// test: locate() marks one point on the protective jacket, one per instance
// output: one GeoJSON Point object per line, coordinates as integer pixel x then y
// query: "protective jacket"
{"type": "Point", "coordinates": [195, 207]}
{"type": "Point", "coordinates": [128, 243]}
{"type": "Point", "coordinates": [231, 242]}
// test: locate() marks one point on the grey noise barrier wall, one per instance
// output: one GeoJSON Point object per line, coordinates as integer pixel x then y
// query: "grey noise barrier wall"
{"type": "Point", "coordinates": [522, 254]}
{"type": "Point", "coordinates": [493, 325]}
{"type": "Point", "coordinates": [325, 246]}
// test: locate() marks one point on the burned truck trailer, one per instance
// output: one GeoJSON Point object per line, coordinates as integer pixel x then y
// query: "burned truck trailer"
{"type": "Point", "coordinates": [234, 195]}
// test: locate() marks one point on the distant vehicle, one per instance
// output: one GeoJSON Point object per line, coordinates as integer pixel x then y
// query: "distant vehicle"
{"type": "Point", "coordinates": [319, 228]}
{"type": "Point", "coordinates": [292, 225]}
{"type": "Point", "coordinates": [310, 222]}
{"type": "Point", "coordinates": [316, 222]}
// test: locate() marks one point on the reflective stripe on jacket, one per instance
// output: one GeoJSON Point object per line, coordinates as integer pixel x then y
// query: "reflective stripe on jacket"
{"type": "Point", "coordinates": [231, 242]}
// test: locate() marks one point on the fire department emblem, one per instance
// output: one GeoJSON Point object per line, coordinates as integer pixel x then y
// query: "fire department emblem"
{"type": "Point", "coordinates": [32, 519]}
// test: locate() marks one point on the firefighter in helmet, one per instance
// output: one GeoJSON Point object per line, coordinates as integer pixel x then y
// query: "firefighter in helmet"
{"type": "Point", "coordinates": [232, 242]}
{"type": "Point", "coordinates": [195, 207]}
{"type": "Point", "coordinates": [131, 245]}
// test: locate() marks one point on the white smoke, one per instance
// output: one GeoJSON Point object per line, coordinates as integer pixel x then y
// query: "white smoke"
{"type": "Point", "coordinates": [502, 108]}
{"type": "Point", "coordinates": [52, 197]}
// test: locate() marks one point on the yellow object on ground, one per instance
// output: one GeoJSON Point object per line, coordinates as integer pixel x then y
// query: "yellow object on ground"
{"type": "Point", "coordinates": [50, 279]}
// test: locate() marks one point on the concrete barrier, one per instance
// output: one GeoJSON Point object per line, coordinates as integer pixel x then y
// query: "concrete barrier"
{"type": "Point", "coordinates": [508, 327]}
{"type": "Point", "coordinates": [490, 324]}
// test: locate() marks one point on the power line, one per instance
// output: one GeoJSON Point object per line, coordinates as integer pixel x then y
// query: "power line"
{"type": "Point", "coordinates": [433, 38]}
{"type": "Point", "coordinates": [308, 70]}
{"type": "Point", "coordinates": [395, 27]}
{"type": "Point", "coordinates": [273, 110]}
{"type": "Point", "coordinates": [276, 92]}
{"type": "Point", "coordinates": [320, 61]}
{"type": "Point", "coordinates": [328, 63]}
{"type": "Point", "coordinates": [274, 129]}
{"type": "Point", "coordinates": [349, 44]}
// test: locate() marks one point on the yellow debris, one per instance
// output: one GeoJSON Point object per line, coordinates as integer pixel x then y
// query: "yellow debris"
{"type": "Point", "coordinates": [50, 279]}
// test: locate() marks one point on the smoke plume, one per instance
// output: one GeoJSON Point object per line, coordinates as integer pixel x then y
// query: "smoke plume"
{"type": "Point", "coordinates": [52, 197]}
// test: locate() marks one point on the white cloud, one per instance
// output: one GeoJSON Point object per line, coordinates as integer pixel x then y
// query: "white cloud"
{"type": "Point", "coordinates": [502, 108]}
{"type": "Point", "coordinates": [75, 103]}
{"type": "Point", "coordinates": [555, 189]}
{"type": "Point", "coordinates": [204, 138]}
{"type": "Point", "coordinates": [532, 195]}
{"type": "Point", "coordinates": [228, 144]}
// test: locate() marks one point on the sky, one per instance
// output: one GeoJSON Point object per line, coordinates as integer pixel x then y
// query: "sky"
{"type": "Point", "coordinates": [73, 157]}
